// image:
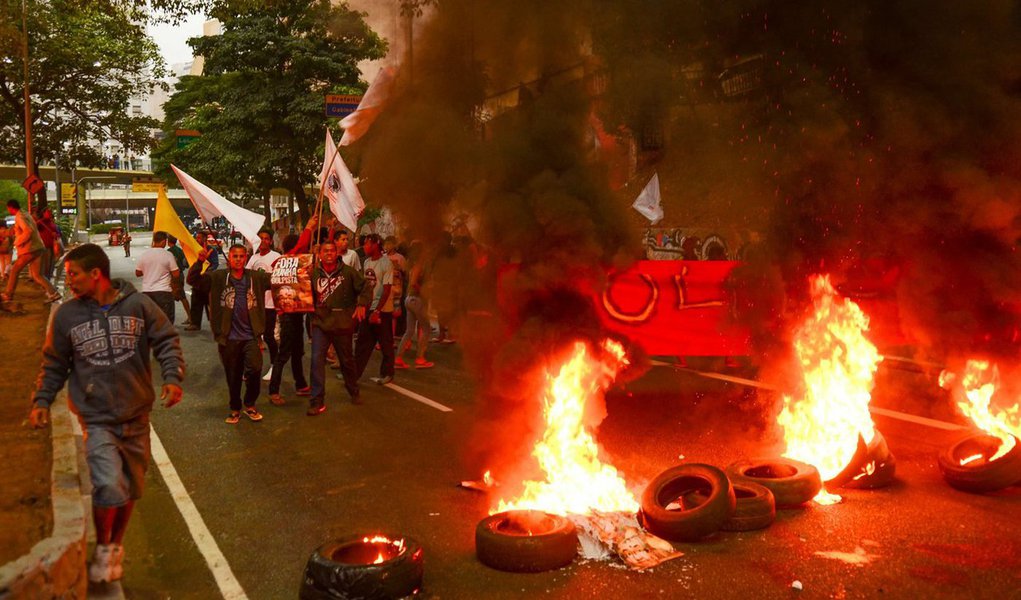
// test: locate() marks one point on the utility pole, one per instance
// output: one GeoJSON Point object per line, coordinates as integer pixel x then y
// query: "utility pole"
{"type": "Point", "coordinates": [29, 164]}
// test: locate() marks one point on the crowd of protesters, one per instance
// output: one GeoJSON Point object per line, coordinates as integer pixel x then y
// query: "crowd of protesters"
{"type": "Point", "coordinates": [363, 299]}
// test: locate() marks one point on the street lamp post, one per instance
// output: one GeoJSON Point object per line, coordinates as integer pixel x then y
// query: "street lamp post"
{"type": "Point", "coordinates": [29, 165]}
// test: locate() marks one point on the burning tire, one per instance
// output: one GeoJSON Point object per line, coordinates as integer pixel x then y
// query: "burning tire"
{"type": "Point", "coordinates": [689, 524]}
{"type": "Point", "coordinates": [981, 474]}
{"type": "Point", "coordinates": [792, 482]}
{"type": "Point", "coordinates": [525, 541]}
{"type": "Point", "coordinates": [348, 569]}
{"type": "Point", "coordinates": [880, 466]}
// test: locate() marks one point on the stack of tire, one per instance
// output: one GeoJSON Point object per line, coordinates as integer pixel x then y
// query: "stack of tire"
{"type": "Point", "coordinates": [980, 475]}
{"type": "Point", "coordinates": [690, 502]}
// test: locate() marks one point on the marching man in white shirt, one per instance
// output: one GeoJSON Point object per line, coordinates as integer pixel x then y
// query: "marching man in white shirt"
{"type": "Point", "coordinates": [263, 260]}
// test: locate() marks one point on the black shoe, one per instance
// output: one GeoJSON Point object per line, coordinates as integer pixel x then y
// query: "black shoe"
{"type": "Point", "coordinates": [316, 408]}
{"type": "Point", "coordinates": [381, 380]}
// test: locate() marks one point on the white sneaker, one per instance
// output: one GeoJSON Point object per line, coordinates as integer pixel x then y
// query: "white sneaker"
{"type": "Point", "coordinates": [101, 567]}
{"type": "Point", "coordinates": [117, 562]}
{"type": "Point", "coordinates": [267, 376]}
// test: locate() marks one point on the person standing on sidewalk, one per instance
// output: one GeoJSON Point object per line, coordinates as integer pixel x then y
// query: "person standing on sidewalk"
{"type": "Point", "coordinates": [341, 296]}
{"type": "Point", "coordinates": [126, 242]}
{"type": "Point", "coordinates": [182, 266]}
{"type": "Point", "coordinates": [262, 260]}
{"type": "Point", "coordinates": [237, 316]}
{"type": "Point", "coordinates": [160, 274]}
{"type": "Point", "coordinates": [291, 348]}
{"type": "Point", "coordinates": [30, 249]}
{"type": "Point", "coordinates": [378, 328]}
{"type": "Point", "coordinates": [101, 341]}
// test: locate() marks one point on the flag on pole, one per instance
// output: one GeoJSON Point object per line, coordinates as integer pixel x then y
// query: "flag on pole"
{"type": "Point", "coordinates": [339, 187]}
{"type": "Point", "coordinates": [357, 123]}
{"type": "Point", "coordinates": [209, 204]}
{"type": "Point", "coordinates": [648, 201]}
{"type": "Point", "coordinates": [167, 220]}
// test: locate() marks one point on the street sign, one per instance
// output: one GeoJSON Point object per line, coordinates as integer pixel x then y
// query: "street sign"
{"type": "Point", "coordinates": [67, 196]}
{"type": "Point", "coordinates": [33, 184]}
{"type": "Point", "coordinates": [341, 105]}
{"type": "Point", "coordinates": [146, 186]}
{"type": "Point", "coordinates": [186, 137]}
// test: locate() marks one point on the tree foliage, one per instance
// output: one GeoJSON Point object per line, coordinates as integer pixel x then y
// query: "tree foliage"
{"type": "Point", "coordinates": [260, 101]}
{"type": "Point", "coordinates": [87, 60]}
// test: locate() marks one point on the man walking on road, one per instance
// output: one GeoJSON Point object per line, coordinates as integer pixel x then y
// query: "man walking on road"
{"type": "Point", "coordinates": [344, 251]}
{"type": "Point", "coordinates": [182, 266]}
{"type": "Point", "coordinates": [160, 274]}
{"type": "Point", "coordinates": [378, 328]}
{"type": "Point", "coordinates": [262, 260]}
{"type": "Point", "coordinates": [341, 296]}
{"type": "Point", "coordinates": [237, 316]}
{"type": "Point", "coordinates": [291, 348]}
{"type": "Point", "coordinates": [30, 249]}
{"type": "Point", "coordinates": [200, 294]}
{"type": "Point", "coordinates": [102, 341]}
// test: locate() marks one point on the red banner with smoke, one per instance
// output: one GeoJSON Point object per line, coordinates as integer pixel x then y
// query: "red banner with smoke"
{"type": "Point", "coordinates": [674, 308]}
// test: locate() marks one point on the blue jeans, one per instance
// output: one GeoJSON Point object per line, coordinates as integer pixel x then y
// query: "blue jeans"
{"type": "Point", "coordinates": [344, 346]}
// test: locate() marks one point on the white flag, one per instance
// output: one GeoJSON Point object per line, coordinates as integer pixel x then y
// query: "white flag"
{"type": "Point", "coordinates": [357, 123]}
{"type": "Point", "coordinates": [339, 187]}
{"type": "Point", "coordinates": [209, 204]}
{"type": "Point", "coordinates": [648, 201]}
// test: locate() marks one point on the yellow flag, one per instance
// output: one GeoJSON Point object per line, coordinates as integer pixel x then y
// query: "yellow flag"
{"type": "Point", "coordinates": [167, 220]}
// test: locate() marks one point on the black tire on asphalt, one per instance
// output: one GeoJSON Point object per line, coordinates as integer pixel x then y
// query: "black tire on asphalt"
{"type": "Point", "coordinates": [792, 482]}
{"type": "Point", "coordinates": [852, 469]}
{"type": "Point", "coordinates": [980, 476]}
{"type": "Point", "coordinates": [526, 541]}
{"type": "Point", "coordinates": [756, 507]}
{"type": "Point", "coordinates": [694, 523]}
{"type": "Point", "coordinates": [327, 578]}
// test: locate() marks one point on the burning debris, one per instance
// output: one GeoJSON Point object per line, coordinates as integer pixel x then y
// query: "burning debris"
{"type": "Point", "coordinates": [830, 424]}
{"type": "Point", "coordinates": [992, 460]}
{"type": "Point", "coordinates": [364, 566]}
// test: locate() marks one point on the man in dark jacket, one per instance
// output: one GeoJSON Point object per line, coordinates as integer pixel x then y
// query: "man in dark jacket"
{"type": "Point", "coordinates": [237, 316]}
{"type": "Point", "coordinates": [341, 298]}
{"type": "Point", "coordinates": [102, 341]}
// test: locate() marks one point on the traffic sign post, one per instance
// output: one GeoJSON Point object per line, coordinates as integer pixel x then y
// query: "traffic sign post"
{"type": "Point", "coordinates": [32, 184]}
{"type": "Point", "coordinates": [341, 105]}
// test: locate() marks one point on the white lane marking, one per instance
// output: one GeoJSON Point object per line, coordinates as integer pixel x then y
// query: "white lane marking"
{"type": "Point", "coordinates": [228, 584]}
{"type": "Point", "coordinates": [893, 414]}
{"type": "Point", "coordinates": [419, 397]}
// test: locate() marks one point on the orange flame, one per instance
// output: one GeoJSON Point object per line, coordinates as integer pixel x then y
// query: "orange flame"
{"type": "Point", "coordinates": [398, 546]}
{"type": "Point", "coordinates": [837, 366]}
{"type": "Point", "coordinates": [980, 382]}
{"type": "Point", "coordinates": [576, 482]}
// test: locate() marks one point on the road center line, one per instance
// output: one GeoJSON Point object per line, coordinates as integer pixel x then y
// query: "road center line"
{"type": "Point", "coordinates": [893, 414]}
{"type": "Point", "coordinates": [419, 398]}
{"type": "Point", "coordinates": [228, 584]}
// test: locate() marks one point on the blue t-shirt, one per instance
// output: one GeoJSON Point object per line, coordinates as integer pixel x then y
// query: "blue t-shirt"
{"type": "Point", "coordinates": [240, 323]}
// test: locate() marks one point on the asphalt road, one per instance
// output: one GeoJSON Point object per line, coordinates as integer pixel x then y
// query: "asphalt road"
{"type": "Point", "coordinates": [271, 492]}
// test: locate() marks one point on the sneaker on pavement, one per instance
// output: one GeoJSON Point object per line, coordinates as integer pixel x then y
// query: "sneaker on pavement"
{"type": "Point", "coordinates": [421, 363]}
{"type": "Point", "coordinates": [400, 364]}
{"type": "Point", "coordinates": [316, 408]}
{"type": "Point", "coordinates": [381, 380]}
{"type": "Point", "coordinates": [233, 418]}
{"type": "Point", "coordinates": [253, 413]}
{"type": "Point", "coordinates": [117, 562]}
{"type": "Point", "coordinates": [101, 567]}
{"type": "Point", "coordinates": [305, 391]}
{"type": "Point", "coordinates": [276, 399]}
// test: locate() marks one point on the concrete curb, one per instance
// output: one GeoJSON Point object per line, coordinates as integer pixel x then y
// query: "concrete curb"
{"type": "Point", "coordinates": [55, 567]}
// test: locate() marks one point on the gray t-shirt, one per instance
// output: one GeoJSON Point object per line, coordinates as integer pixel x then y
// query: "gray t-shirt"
{"type": "Point", "coordinates": [379, 272]}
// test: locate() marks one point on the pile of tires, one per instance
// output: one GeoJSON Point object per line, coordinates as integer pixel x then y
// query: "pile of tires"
{"type": "Point", "coordinates": [345, 569]}
{"type": "Point", "coordinates": [526, 541]}
{"type": "Point", "coordinates": [791, 482]}
{"type": "Point", "coordinates": [980, 475]}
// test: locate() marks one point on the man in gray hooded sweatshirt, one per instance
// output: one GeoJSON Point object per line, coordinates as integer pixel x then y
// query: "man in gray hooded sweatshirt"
{"type": "Point", "coordinates": [102, 341]}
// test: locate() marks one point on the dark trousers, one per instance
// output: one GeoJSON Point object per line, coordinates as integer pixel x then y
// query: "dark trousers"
{"type": "Point", "coordinates": [342, 344]}
{"type": "Point", "coordinates": [242, 363]}
{"type": "Point", "coordinates": [370, 334]}
{"type": "Point", "coordinates": [292, 348]}
{"type": "Point", "coordinates": [199, 302]}
{"type": "Point", "coordinates": [269, 336]}
{"type": "Point", "coordinates": [164, 300]}
{"type": "Point", "coordinates": [401, 320]}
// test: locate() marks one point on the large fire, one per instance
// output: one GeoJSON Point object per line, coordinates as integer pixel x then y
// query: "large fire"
{"type": "Point", "coordinates": [980, 382]}
{"type": "Point", "coordinates": [577, 481]}
{"type": "Point", "coordinates": [837, 367]}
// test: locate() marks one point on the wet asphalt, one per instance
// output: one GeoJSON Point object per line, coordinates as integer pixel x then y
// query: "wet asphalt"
{"type": "Point", "coordinates": [271, 492]}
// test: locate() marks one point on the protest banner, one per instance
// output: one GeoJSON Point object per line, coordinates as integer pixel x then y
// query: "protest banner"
{"type": "Point", "coordinates": [292, 283]}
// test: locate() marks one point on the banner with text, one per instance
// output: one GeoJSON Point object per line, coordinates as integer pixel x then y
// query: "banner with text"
{"type": "Point", "coordinates": [292, 283]}
{"type": "Point", "coordinates": [674, 308]}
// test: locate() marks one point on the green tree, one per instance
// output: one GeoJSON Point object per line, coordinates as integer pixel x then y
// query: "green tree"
{"type": "Point", "coordinates": [259, 102]}
{"type": "Point", "coordinates": [87, 60]}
